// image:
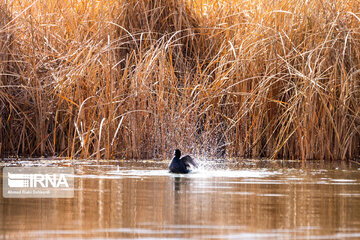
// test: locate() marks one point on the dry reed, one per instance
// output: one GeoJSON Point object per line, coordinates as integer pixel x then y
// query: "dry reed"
{"type": "Point", "coordinates": [135, 79]}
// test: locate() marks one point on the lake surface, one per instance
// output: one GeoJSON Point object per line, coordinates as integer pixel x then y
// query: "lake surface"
{"type": "Point", "coordinates": [246, 200]}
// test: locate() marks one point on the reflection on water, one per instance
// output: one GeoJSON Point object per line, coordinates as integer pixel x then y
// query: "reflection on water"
{"type": "Point", "coordinates": [142, 200]}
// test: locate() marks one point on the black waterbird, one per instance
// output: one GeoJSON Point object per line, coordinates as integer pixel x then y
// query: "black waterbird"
{"type": "Point", "coordinates": [181, 165]}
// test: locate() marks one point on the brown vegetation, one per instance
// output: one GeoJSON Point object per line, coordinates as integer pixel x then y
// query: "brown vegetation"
{"type": "Point", "coordinates": [135, 79]}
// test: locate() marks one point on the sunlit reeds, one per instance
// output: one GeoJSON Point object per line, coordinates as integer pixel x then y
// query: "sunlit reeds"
{"type": "Point", "coordinates": [135, 79]}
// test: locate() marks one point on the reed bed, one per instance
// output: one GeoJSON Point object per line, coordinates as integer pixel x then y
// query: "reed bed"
{"type": "Point", "coordinates": [136, 79]}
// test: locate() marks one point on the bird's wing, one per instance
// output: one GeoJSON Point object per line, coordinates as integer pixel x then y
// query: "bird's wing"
{"type": "Point", "coordinates": [187, 159]}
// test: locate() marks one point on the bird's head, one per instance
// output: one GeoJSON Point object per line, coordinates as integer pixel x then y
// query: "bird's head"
{"type": "Point", "coordinates": [177, 153]}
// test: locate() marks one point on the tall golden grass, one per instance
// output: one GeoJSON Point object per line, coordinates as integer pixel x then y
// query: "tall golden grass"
{"type": "Point", "coordinates": [135, 79]}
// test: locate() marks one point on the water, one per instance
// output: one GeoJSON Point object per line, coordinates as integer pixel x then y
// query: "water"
{"type": "Point", "coordinates": [249, 200]}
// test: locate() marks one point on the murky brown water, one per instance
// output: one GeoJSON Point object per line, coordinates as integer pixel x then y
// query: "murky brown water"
{"type": "Point", "coordinates": [142, 200]}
